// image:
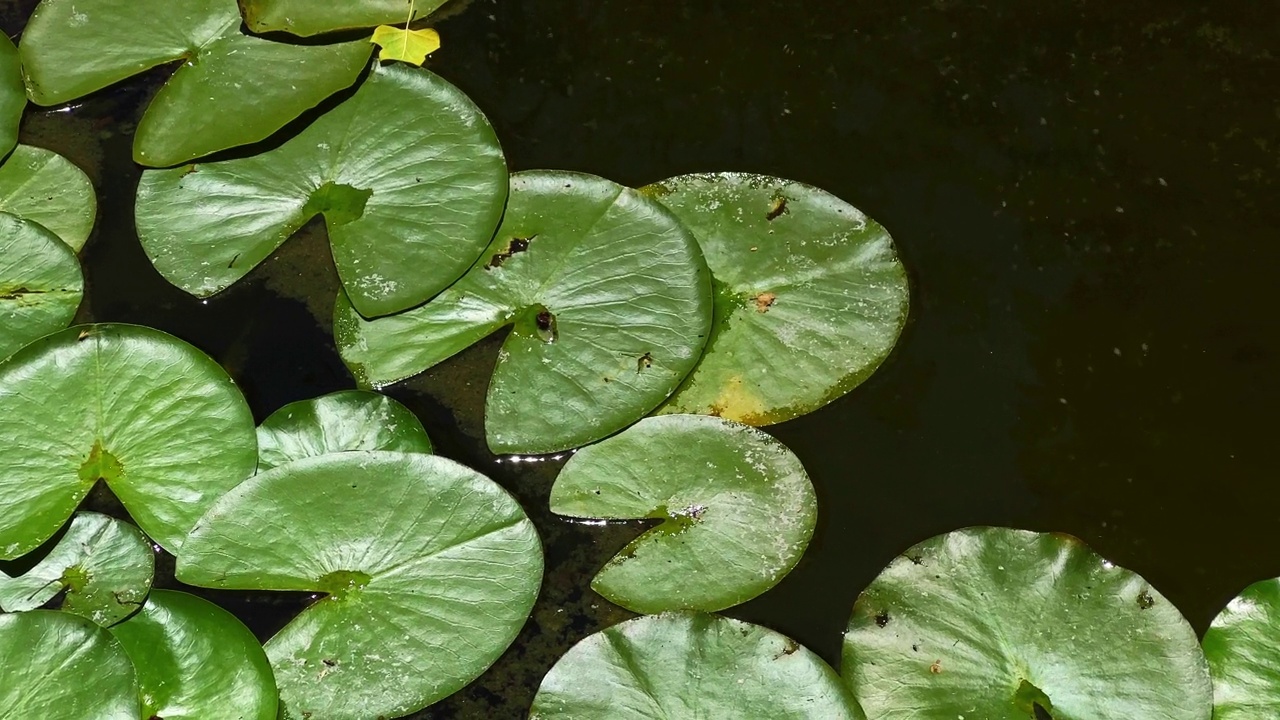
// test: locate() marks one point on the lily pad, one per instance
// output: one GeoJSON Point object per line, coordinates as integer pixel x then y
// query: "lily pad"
{"type": "Point", "coordinates": [408, 175]}
{"type": "Point", "coordinates": [196, 661]}
{"type": "Point", "coordinates": [1241, 647]}
{"type": "Point", "coordinates": [63, 661]}
{"type": "Point", "coordinates": [71, 48]}
{"type": "Point", "coordinates": [102, 570]}
{"type": "Point", "coordinates": [13, 96]}
{"type": "Point", "coordinates": [430, 570]}
{"type": "Point", "coordinates": [809, 295]}
{"type": "Point", "coordinates": [405, 45]}
{"type": "Point", "coordinates": [609, 302]}
{"type": "Point", "coordinates": [736, 507]}
{"type": "Point", "coordinates": [42, 186]}
{"type": "Point", "coordinates": [683, 665]}
{"type": "Point", "coordinates": [41, 285]}
{"type": "Point", "coordinates": [313, 17]}
{"type": "Point", "coordinates": [156, 419]}
{"type": "Point", "coordinates": [1006, 624]}
{"type": "Point", "coordinates": [339, 422]}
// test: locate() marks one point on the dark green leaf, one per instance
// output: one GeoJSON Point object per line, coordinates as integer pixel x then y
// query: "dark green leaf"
{"type": "Point", "coordinates": [42, 186]}
{"type": "Point", "coordinates": [40, 285]}
{"type": "Point", "coordinates": [196, 661]}
{"type": "Point", "coordinates": [609, 303]}
{"type": "Point", "coordinates": [339, 422]}
{"type": "Point", "coordinates": [1241, 647]}
{"type": "Point", "coordinates": [155, 418]}
{"type": "Point", "coordinates": [101, 570]}
{"type": "Point", "coordinates": [59, 665]}
{"type": "Point", "coordinates": [736, 506]}
{"type": "Point", "coordinates": [13, 96]}
{"type": "Point", "coordinates": [430, 569]}
{"type": "Point", "coordinates": [312, 17]}
{"type": "Point", "coordinates": [810, 296]}
{"type": "Point", "coordinates": [685, 666]}
{"type": "Point", "coordinates": [1003, 624]}
{"type": "Point", "coordinates": [231, 89]}
{"type": "Point", "coordinates": [407, 173]}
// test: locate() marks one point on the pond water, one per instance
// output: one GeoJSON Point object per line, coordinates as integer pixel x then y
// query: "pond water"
{"type": "Point", "coordinates": [1084, 193]}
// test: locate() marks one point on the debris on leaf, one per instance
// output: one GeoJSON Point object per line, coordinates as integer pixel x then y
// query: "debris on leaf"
{"type": "Point", "coordinates": [405, 45]}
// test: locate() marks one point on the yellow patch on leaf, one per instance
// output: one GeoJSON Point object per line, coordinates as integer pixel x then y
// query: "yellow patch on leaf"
{"type": "Point", "coordinates": [410, 46]}
{"type": "Point", "coordinates": [736, 402]}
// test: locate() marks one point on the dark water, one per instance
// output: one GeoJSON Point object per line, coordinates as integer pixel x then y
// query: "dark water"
{"type": "Point", "coordinates": [1085, 193]}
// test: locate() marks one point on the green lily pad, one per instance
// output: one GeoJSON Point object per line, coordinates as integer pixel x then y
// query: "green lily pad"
{"type": "Point", "coordinates": [736, 506]}
{"type": "Point", "coordinates": [102, 568]}
{"type": "Point", "coordinates": [41, 285]}
{"type": "Point", "coordinates": [13, 96]}
{"type": "Point", "coordinates": [810, 296]}
{"type": "Point", "coordinates": [61, 665]}
{"type": "Point", "coordinates": [196, 661]}
{"type": "Point", "coordinates": [609, 303]}
{"type": "Point", "coordinates": [159, 421]}
{"type": "Point", "coordinates": [683, 665]}
{"type": "Point", "coordinates": [42, 186]}
{"type": "Point", "coordinates": [430, 570]}
{"type": "Point", "coordinates": [408, 175]}
{"type": "Point", "coordinates": [1006, 624]}
{"type": "Point", "coordinates": [1241, 648]}
{"type": "Point", "coordinates": [71, 48]}
{"type": "Point", "coordinates": [313, 17]}
{"type": "Point", "coordinates": [339, 422]}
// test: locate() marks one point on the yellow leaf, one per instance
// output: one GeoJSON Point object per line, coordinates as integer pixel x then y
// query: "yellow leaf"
{"type": "Point", "coordinates": [411, 46]}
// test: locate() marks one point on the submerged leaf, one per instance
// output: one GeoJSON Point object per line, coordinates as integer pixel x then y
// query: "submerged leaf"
{"type": "Point", "coordinates": [41, 286]}
{"type": "Point", "coordinates": [42, 186]}
{"type": "Point", "coordinates": [1241, 647]}
{"type": "Point", "coordinates": [339, 422]}
{"type": "Point", "coordinates": [231, 89]}
{"type": "Point", "coordinates": [430, 570]}
{"type": "Point", "coordinates": [63, 661]}
{"type": "Point", "coordinates": [101, 569]}
{"type": "Point", "coordinates": [1009, 625]}
{"type": "Point", "coordinates": [313, 17]}
{"type": "Point", "coordinates": [736, 506]}
{"type": "Point", "coordinates": [810, 295]}
{"type": "Point", "coordinates": [13, 96]}
{"type": "Point", "coordinates": [408, 175]}
{"type": "Point", "coordinates": [405, 45]}
{"type": "Point", "coordinates": [156, 419]}
{"type": "Point", "coordinates": [196, 661]}
{"type": "Point", "coordinates": [609, 303]}
{"type": "Point", "coordinates": [691, 666]}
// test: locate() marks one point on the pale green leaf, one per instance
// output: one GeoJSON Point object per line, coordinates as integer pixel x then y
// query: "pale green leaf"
{"type": "Point", "coordinates": [405, 45]}
{"type": "Point", "coordinates": [1241, 648]}
{"type": "Point", "coordinates": [338, 422]}
{"type": "Point", "coordinates": [42, 186]}
{"type": "Point", "coordinates": [313, 17]}
{"type": "Point", "coordinates": [41, 285]}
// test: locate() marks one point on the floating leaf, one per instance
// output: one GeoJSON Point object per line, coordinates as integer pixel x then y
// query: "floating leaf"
{"type": "Point", "coordinates": [405, 45]}
{"type": "Point", "coordinates": [42, 186]}
{"type": "Point", "coordinates": [155, 418]}
{"type": "Point", "coordinates": [691, 666]}
{"type": "Point", "coordinates": [63, 661]}
{"type": "Point", "coordinates": [736, 506]}
{"type": "Point", "coordinates": [71, 48]}
{"type": "Point", "coordinates": [339, 422]}
{"type": "Point", "coordinates": [809, 295]}
{"type": "Point", "coordinates": [40, 286]}
{"type": "Point", "coordinates": [1241, 647]}
{"type": "Point", "coordinates": [430, 570]}
{"type": "Point", "coordinates": [313, 17]}
{"type": "Point", "coordinates": [196, 661]}
{"type": "Point", "coordinates": [609, 303]}
{"type": "Point", "coordinates": [102, 569]}
{"type": "Point", "coordinates": [13, 96]}
{"type": "Point", "coordinates": [1010, 625]}
{"type": "Point", "coordinates": [407, 173]}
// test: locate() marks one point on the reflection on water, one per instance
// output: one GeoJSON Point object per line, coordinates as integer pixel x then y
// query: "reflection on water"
{"type": "Point", "coordinates": [1084, 195]}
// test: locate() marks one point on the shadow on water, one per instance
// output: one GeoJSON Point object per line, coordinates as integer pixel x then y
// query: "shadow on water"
{"type": "Point", "coordinates": [1084, 194]}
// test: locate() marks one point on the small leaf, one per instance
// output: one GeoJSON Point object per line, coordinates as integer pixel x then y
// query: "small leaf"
{"type": "Point", "coordinates": [410, 46]}
{"type": "Point", "coordinates": [196, 661]}
{"type": "Point", "coordinates": [314, 17]}
{"type": "Point", "coordinates": [102, 568]}
{"type": "Point", "coordinates": [1241, 647]}
{"type": "Point", "coordinates": [42, 186]}
{"type": "Point", "coordinates": [736, 506]}
{"type": "Point", "coordinates": [339, 422]}
{"type": "Point", "coordinates": [41, 285]}
{"type": "Point", "coordinates": [682, 665]}
{"type": "Point", "coordinates": [13, 95]}
{"type": "Point", "coordinates": [59, 665]}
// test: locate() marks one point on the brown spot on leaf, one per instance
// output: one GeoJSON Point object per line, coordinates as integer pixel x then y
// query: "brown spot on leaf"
{"type": "Point", "coordinates": [764, 301]}
{"type": "Point", "coordinates": [1145, 601]}
{"type": "Point", "coordinates": [777, 208]}
{"type": "Point", "coordinates": [515, 246]}
{"type": "Point", "coordinates": [883, 618]}
{"type": "Point", "coordinates": [645, 362]}
{"type": "Point", "coordinates": [936, 667]}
